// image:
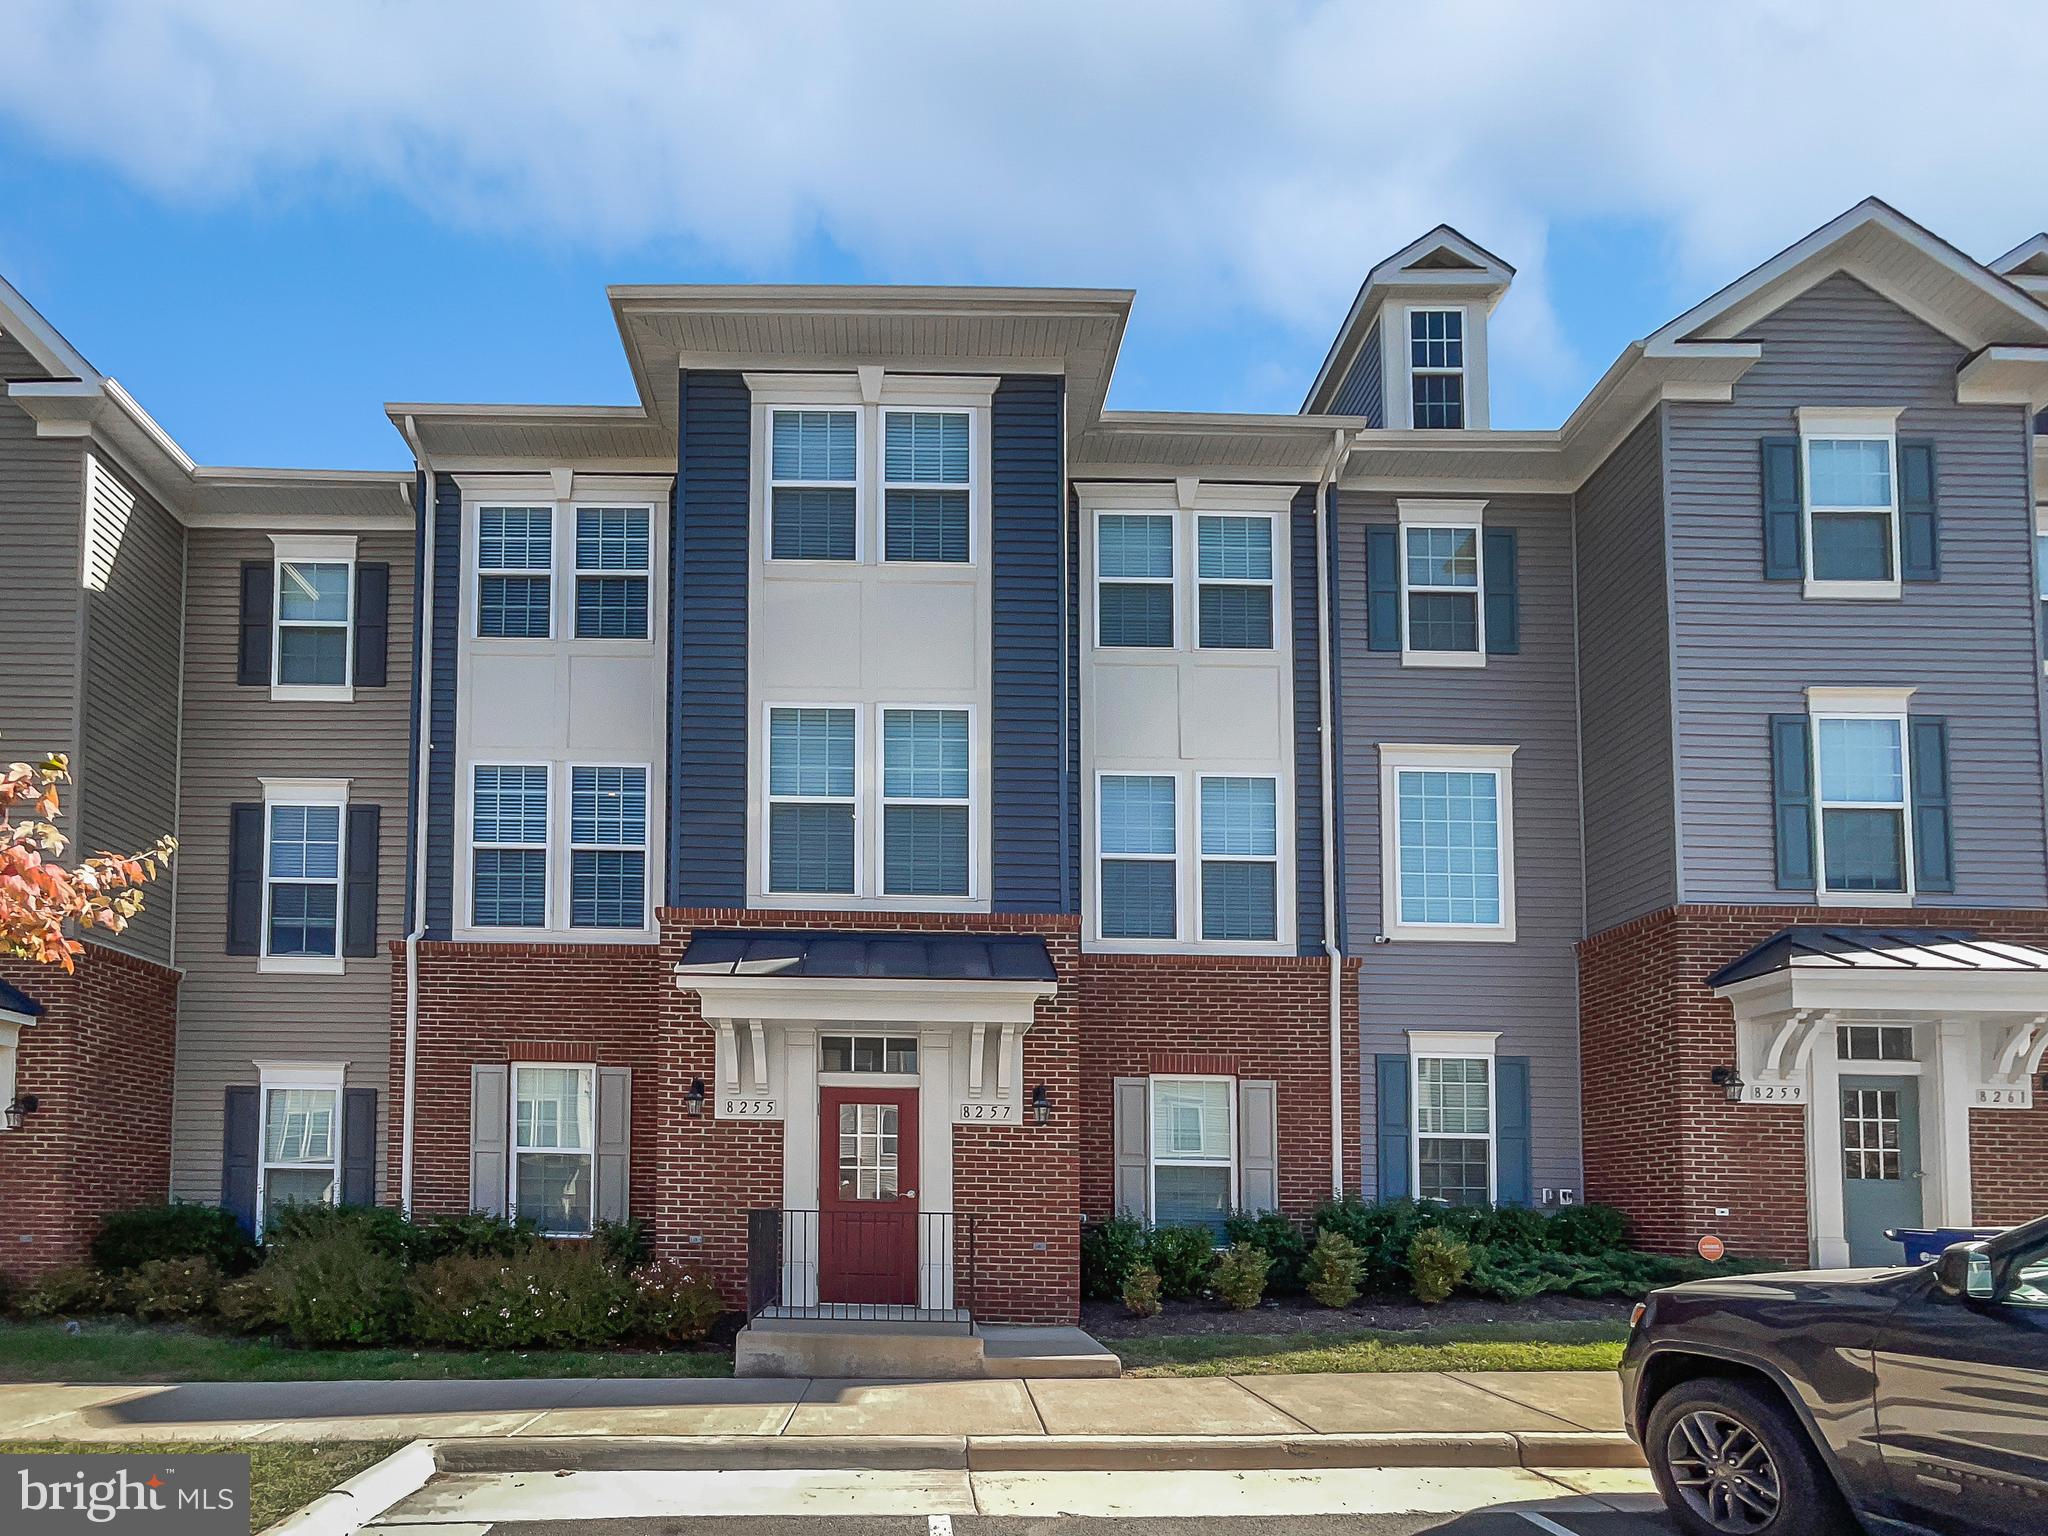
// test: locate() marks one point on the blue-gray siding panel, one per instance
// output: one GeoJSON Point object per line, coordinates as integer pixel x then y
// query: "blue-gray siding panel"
{"type": "Point", "coordinates": [1748, 648]}
{"type": "Point", "coordinates": [1072, 799]}
{"type": "Point", "coordinates": [1361, 392]}
{"type": "Point", "coordinates": [1308, 734]}
{"type": "Point", "coordinates": [1332, 533]}
{"type": "Point", "coordinates": [448, 555]}
{"type": "Point", "coordinates": [708, 646]}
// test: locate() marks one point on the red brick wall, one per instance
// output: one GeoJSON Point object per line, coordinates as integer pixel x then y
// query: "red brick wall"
{"type": "Point", "coordinates": [100, 1059]}
{"type": "Point", "coordinates": [1664, 1145]}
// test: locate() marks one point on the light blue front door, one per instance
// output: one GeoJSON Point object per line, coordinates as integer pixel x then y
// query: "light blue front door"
{"type": "Point", "coordinates": [1880, 1164]}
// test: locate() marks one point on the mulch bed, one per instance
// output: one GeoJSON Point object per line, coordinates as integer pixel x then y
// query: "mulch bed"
{"type": "Point", "coordinates": [1299, 1314]}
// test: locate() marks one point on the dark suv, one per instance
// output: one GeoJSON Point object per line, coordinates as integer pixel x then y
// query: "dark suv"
{"type": "Point", "coordinates": [1908, 1399]}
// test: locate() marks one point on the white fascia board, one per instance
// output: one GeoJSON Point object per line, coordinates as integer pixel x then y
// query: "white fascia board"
{"type": "Point", "coordinates": [40, 339]}
{"type": "Point", "coordinates": [1942, 993]}
{"type": "Point", "coordinates": [2005, 376]}
{"type": "Point", "coordinates": [859, 1001]}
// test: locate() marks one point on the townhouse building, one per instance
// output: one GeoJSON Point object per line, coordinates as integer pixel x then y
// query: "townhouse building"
{"type": "Point", "coordinates": [865, 806]}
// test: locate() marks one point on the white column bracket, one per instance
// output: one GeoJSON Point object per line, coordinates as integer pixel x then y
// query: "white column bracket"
{"type": "Point", "coordinates": [759, 1061]}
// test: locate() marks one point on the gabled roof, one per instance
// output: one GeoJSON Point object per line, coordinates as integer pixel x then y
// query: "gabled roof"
{"type": "Point", "coordinates": [1855, 947]}
{"type": "Point", "coordinates": [2026, 266]}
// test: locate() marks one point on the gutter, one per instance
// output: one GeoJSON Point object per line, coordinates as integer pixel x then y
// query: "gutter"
{"type": "Point", "coordinates": [1340, 443]}
{"type": "Point", "coordinates": [423, 597]}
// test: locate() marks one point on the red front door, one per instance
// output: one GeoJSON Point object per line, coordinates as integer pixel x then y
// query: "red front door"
{"type": "Point", "coordinates": [867, 1196]}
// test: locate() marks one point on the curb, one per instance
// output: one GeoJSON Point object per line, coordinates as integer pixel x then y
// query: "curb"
{"type": "Point", "coordinates": [355, 1503]}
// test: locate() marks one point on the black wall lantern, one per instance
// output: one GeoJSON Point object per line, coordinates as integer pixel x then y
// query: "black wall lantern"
{"type": "Point", "coordinates": [1041, 1105]}
{"type": "Point", "coordinates": [1729, 1081]}
{"type": "Point", "coordinates": [693, 1104]}
{"type": "Point", "coordinates": [20, 1109]}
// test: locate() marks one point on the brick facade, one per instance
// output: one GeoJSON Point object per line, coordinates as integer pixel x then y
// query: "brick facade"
{"type": "Point", "coordinates": [1662, 1142]}
{"type": "Point", "coordinates": [100, 1061]}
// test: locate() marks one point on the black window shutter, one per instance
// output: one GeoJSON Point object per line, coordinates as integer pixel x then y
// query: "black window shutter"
{"type": "Point", "coordinates": [252, 667]}
{"type": "Point", "coordinates": [1503, 603]}
{"type": "Point", "coordinates": [238, 1156]}
{"type": "Point", "coordinates": [1919, 531]}
{"type": "Point", "coordinates": [245, 879]}
{"type": "Point", "coordinates": [1784, 555]}
{"type": "Point", "coordinates": [373, 622]}
{"type": "Point", "coordinates": [1391, 1129]}
{"type": "Point", "coordinates": [1383, 588]}
{"type": "Point", "coordinates": [1792, 801]}
{"type": "Point", "coordinates": [1934, 859]}
{"type": "Point", "coordinates": [359, 1147]}
{"type": "Point", "coordinates": [359, 889]}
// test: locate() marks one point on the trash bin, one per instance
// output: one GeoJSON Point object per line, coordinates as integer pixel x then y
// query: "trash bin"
{"type": "Point", "coordinates": [1924, 1247]}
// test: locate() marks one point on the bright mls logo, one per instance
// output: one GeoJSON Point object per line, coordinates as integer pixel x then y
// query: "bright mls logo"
{"type": "Point", "coordinates": [167, 1495]}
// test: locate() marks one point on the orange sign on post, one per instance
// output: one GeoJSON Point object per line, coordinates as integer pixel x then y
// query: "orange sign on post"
{"type": "Point", "coordinates": [1711, 1248]}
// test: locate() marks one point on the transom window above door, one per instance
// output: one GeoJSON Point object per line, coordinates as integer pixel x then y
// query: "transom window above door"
{"type": "Point", "coordinates": [867, 1053]}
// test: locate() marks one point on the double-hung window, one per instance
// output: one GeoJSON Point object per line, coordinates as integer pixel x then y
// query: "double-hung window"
{"type": "Point", "coordinates": [302, 879]}
{"type": "Point", "coordinates": [926, 815]}
{"type": "Point", "coordinates": [813, 800]}
{"type": "Point", "coordinates": [1240, 858]}
{"type": "Point", "coordinates": [509, 831]}
{"type": "Point", "coordinates": [1447, 842]}
{"type": "Point", "coordinates": [611, 573]}
{"type": "Point", "coordinates": [1454, 1128]}
{"type": "Point", "coordinates": [813, 491]}
{"type": "Point", "coordinates": [1436, 367]}
{"type": "Point", "coordinates": [554, 1148]}
{"type": "Point", "coordinates": [1234, 582]}
{"type": "Point", "coordinates": [1865, 828]}
{"type": "Point", "coordinates": [1852, 502]}
{"type": "Point", "coordinates": [1194, 1163]}
{"type": "Point", "coordinates": [1134, 579]}
{"type": "Point", "coordinates": [515, 572]}
{"type": "Point", "coordinates": [926, 485]}
{"type": "Point", "coordinates": [301, 1139]}
{"type": "Point", "coordinates": [314, 601]}
{"type": "Point", "coordinates": [1442, 594]}
{"type": "Point", "coordinates": [1137, 832]}
{"type": "Point", "coordinates": [607, 847]}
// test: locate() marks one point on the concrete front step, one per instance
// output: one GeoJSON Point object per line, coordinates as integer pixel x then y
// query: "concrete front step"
{"type": "Point", "coordinates": [896, 1351]}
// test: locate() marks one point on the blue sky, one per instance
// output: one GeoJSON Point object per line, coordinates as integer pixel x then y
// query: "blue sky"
{"type": "Point", "coordinates": [267, 219]}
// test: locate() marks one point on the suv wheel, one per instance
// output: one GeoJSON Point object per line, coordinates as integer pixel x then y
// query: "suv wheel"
{"type": "Point", "coordinates": [1731, 1460]}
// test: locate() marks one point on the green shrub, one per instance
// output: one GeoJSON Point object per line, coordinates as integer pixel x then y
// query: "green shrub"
{"type": "Point", "coordinates": [1141, 1292]}
{"type": "Point", "coordinates": [673, 1304]}
{"type": "Point", "coordinates": [1241, 1276]}
{"type": "Point", "coordinates": [378, 1226]}
{"type": "Point", "coordinates": [10, 1293]}
{"type": "Point", "coordinates": [1512, 1229]}
{"type": "Point", "coordinates": [1587, 1229]}
{"type": "Point", "coordinates": [169, 1290]}
{"type": "Point", "coordinates": [474, 1234]}
{"type": "Point", "coordinates": [1280, 1239]}
{"type": "Point", "coordinates": [1382, 1232]}
{"type": "Point", "coordinates": [1183, 1256]}
{"type": "Point", "coordinates": [624, 1243]}
{"type": "Point", "coordinates": [1110, 1250]}
{"type": "Point", "coordinates": [130, 1239]}
{"type": "Point", "coordinates": [342, 1286]}
{"type": "Point", "coordinates": [553, 1295]}
{"type": "Point", "coordinates": [1330, 1273]}
{"type": "Point", "coordinates": [72, 1292]}
{"type": "Point", "coordinates": [1437, 1264]}
{"type": "Point", "coordinates": [250, 1304]}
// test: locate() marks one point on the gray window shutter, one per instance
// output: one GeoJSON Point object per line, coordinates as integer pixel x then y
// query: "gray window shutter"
{"type": "Point", "coordinates": [373, 622]}
{"type": "Point", "coordinates": [359, 1147]}
{"type": "Point", "coordinates": [1792, 801]}
{"type": "Point", "coordinates": [490, 1120]}
{"type": "Point", "coordinates": [1784, 516]}
{"type": "Point", "coordinates": [359, 889]}
{"type": "Point", "coordinates": [1392, 1133]}
{"type": "Point", "coordinates": [252, 663]}
{"type": "Point", "coordinates": [239, 1120]}
{"type": "Point", "coordinates": [1503, 602]}
{"type": "Point", "coordinates": [1919, 532]}
{"type": "Point", "coordinates": [1511, 1174]}
{"type": "Point", "coordinates": [1133, 1139]}
{"type": "Point", "coordinates": [1258, 1146]}
{"type": "Point", "coordinates": [1934, 861]}
{"type": "Point", "coordinates": [1383, 588]}
{"type": "Point", "coordinates": [245, 879]}
{"type": "Point", "coordinates": [614, 1142]}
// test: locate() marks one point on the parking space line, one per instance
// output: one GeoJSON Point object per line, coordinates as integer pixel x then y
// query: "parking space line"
{"type": "Point", "coordinates": [1545, 1523]}
{"type": "Point", "coordinates": [940, 1525]}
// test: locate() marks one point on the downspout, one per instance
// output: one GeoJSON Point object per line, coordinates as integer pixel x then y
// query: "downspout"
{"type": "Point", "coordinates": [1332, 939]}
{"type": "Point", "coordinates": [423, 589]}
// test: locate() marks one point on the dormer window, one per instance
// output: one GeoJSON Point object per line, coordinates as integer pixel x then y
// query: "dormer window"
{"type": "Point", "coordinates": [1436, 367]}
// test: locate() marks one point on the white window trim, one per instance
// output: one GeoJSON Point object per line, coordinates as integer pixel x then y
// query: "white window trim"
{"type": "Point", "coordinates": [1276, 548]}
{"type": "Point", "coordinates": [1462, 373]}
{"type": "Point", "coordinates": [1455, 515]}
{"type": "Point", "coordinates": [1861, 704]}
{"type": "Point", "coordinates": [1202, 860]}
{"type": "Point", "coordinates": [1152, 1157]}
{"type": "Point", "coordinates": [862, 773]}
{"type": "Point", "coordinates": [883, 800]}
{"type": "Point", "coordinates": [588, 1071]}
{"type": "Point", "coordinates": [547, 572]}
{"type": "Point", "coordinates": [1171, 582]}
{"type": "Point", "coordinates": [1180, 818]}
{"type": "Point", "coordinates": [10, 1060]}
{"type": "Point", "coordinates": [307, 792]}
{"type": "Point", "coordinates": [1824, 424]}
{"type": "Point", "coordinates": [856, 484]}
{"type": "Point", "coordinates": [311, 549]}
{"type": "Point", "coordinates": [568, 892]}
{"type": "Point", "coordinates": [549, 898]}
{"type": "Point", "coordinates": [1399, 757]}
{"type": "Point", "coordinates": [269, 1075]}
{"type": "Point", "coordinates": [971, 485]}
{"type": "Point", "coordinates": [2040, 565]}
{"type": "Point", "coordinates": [577, 571]}
{"type": "Point", "coordinates": [1453, 1045]}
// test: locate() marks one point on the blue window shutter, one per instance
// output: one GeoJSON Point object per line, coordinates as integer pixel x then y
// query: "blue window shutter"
{"type": "Point", "coordinates": [1919, 535]}
{"type": "Point", "coordinates": [239, 1121]}
{"type": "Point", "coordinates": [1792, 801]}
{"type": "Point", "coordinates": [1512, 1183]}
{"type": "Point", "coordinates": [1383, 588]}
{"type": "Point", "coordinates": [359, 1147]}
{"type": "Point", "coordinates": [1934, 860]}
{"type": "Point", "coordinates": [1784, 556]}
{"type": "Point", "coordinates": [373, 622]}
{"type": "Point", "coordinates": [1503, 603]}
{"type": "Point", "coordinates": [252, 665]}
{"type": "Point", "coordinates": [245, 879]}
{"type": "Point", "coordinates": [1393, 1130]}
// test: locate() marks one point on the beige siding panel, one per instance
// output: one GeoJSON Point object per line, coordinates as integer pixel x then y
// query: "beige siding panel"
{"type": "Point", "coordinates": [41, 491]}
{"type": "Point", "coordinates": [231, 1014]}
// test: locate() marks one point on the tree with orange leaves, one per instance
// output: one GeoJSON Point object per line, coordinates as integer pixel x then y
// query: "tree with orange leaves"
{"type": "Point", "coordinates": [38, 894]}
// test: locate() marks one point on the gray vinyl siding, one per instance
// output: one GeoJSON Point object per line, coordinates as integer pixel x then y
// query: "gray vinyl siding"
{"type": "Point", "coordinates": [41, 514]}
{"type": "Point", "coordinates": [128, 749]}
{"type": "Point", "coordinates": [231, 1014]}
{"type": "Point", "coordinates": [1747, 648]}
{"type": "Point", "coordinates": [1528, 989]}
{"type": "Point", "coordinates": [1362, 393]}
{"type": "Point", "coordinates": [1625, 684]}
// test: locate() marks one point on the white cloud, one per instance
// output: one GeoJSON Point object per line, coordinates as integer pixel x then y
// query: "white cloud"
{"type": "Point", "coordinates": [1249, 159]}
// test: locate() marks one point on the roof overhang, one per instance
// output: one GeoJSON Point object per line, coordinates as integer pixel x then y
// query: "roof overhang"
{"type": "Point", "coordinates": [516, 439]}
{"type": "Point", "coordinates": [1155, 445]}
{"type": "Point", "coordinates": [899, 1001]}
{"type": "Point", "coordinates": [2005, 376]}
{"type": "Point", "coordinates": [1972, 994]}
{"type": "Point", "coordinates": [2025, 266]}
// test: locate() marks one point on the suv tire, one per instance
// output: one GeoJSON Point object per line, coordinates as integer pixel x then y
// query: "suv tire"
{"type": "Point", "coordinates": [1730, 1459]}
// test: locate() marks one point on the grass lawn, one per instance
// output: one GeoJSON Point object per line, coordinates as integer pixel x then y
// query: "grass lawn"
{"type": "Point", "coordinates": [1583, 1346]}
{"type": "Point", "coordinates": [111, 1349]}
{"type": "Point", "coordinates": [282, 1477]}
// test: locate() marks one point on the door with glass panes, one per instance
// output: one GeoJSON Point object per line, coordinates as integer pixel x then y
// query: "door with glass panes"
{"type": "Point", "coordinates": [867, 1196]}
